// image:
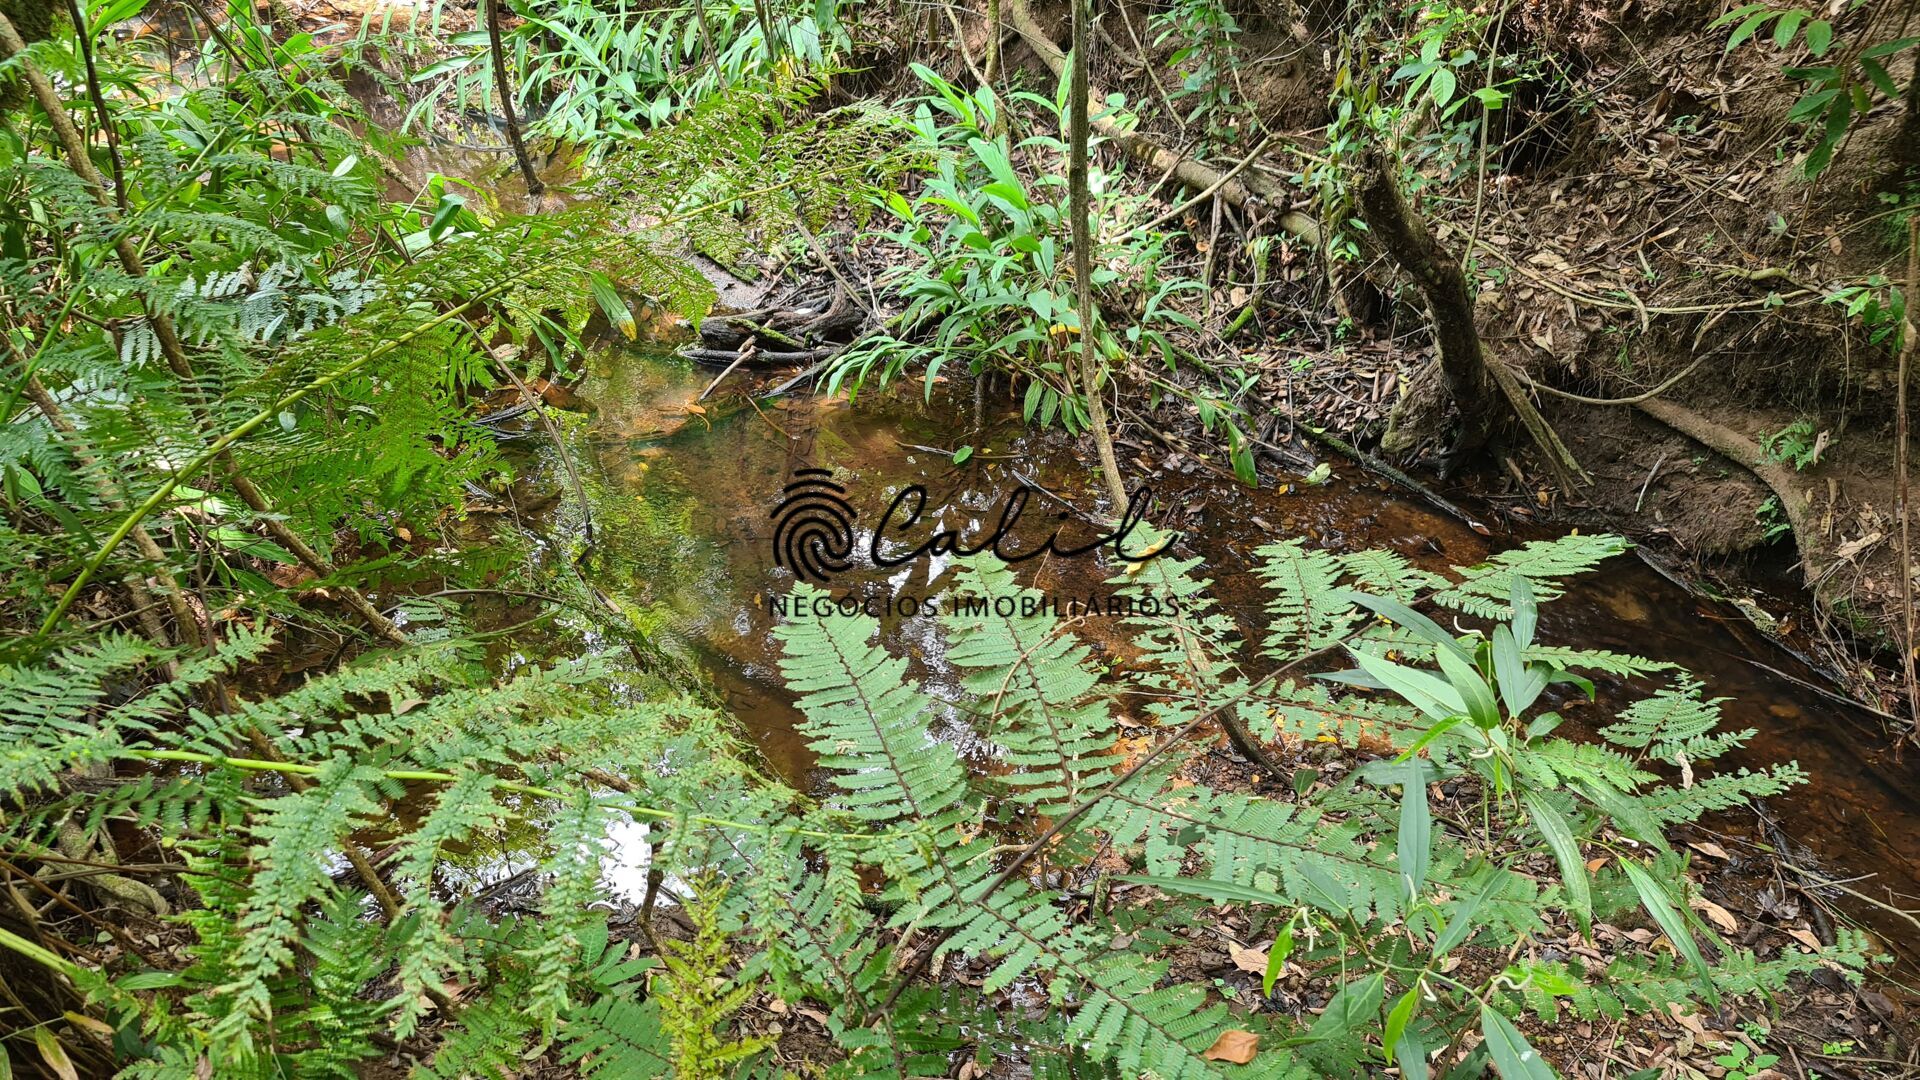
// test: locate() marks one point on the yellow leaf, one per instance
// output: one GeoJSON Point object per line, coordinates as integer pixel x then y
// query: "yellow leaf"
{"type": "Point", "coordinates": [1234, 1047]}
{"type": "Point", "coordinates": [696, 409]}
{"type": "Point", "coordinates": [54, 1054]}
{"type": "Point", "coordinates": [88, 1023]}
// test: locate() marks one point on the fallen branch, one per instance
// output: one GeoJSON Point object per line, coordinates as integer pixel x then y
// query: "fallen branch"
{"type": "Point", "coordinates": [1250, 189]}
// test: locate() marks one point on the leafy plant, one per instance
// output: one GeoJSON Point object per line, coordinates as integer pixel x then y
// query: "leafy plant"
{"type": "Point", "coordinates": [1797, 445]}
{"type": "Point", "coordinates": [591, 75]}
{"type": "Point", "coordinates": [1837, 93]}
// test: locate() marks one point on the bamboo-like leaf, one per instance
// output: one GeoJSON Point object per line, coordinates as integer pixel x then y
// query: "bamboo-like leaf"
{"type": "Point", "coordinates": [1416, 828]}
{"type": "Point", "coordinates": [1397, 1020]}
{"type": "Point", "coordinates": [1672, 923]}
{"type": "Point", "coordinates": [1512, 1054]}
{"type": "Point", "coordinates": [1472, 687]}
{"type": "Point", "coordinates": [613, 306]}
{"type": "Point", "coordinates": [1428, 693]}
{"type": "Point", "coordinates": [1211, 890]}
{"type": "Point", "coordinates": [1573, 869]}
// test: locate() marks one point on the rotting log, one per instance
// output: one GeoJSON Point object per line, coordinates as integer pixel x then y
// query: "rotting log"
{"type": "Point", "coordinates": [1252, 189]}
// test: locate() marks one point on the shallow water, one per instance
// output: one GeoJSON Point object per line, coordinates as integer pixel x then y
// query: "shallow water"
{"type": "Point", "coordinates": [683, 508]}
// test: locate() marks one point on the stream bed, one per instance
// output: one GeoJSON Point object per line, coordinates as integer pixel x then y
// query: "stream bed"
{"type": "Point", "coordinates": [683, 492]}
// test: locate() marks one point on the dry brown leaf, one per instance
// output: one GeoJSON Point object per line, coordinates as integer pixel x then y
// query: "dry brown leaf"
{"type": "Point", "coordinates": [1804, 937]}
{"type": "Point", "coordinates": [1234, 1047]}
{"type": "Point", "coordinates": [1593, 865]}
{"type": "Point", "coordinates": [1715, 914]}
{"type": "Point", "coordinates": [1252, 961]}
{"type": "Point", "coordinates": [1708, 847]}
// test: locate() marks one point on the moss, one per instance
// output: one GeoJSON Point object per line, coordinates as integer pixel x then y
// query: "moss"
{"type": "Point", "coordinates": [33, 21]}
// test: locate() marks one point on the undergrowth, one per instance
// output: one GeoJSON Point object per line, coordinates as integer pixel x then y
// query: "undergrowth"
{"type": "Point", "coordinates": [841, 903]}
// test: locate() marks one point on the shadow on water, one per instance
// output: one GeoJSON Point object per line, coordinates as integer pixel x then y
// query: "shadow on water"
{"type": "Point", "coordinates": [684, 505]}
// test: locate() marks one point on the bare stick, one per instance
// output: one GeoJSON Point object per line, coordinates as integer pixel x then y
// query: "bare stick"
{"type": "Point", "coordinates": [1080, 208]}
{"type": "Point", "coordinates": [1908, 332]}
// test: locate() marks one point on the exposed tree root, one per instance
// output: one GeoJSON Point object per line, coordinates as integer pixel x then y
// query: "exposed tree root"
{"type": "Point", "coordinates": [1746, 453]}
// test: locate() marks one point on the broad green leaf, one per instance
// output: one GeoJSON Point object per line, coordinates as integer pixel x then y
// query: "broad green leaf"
{"type": "Point", "coordinates": [1746, 29]}
{"type": "Point", "coordinates": [1460, 927]}
{"type": "Point", "coordinates": [1627, 814]}
{"type": "Point", "coordinates": [1397, 1020]}
{"type": "Point", "coordinates": [1566, 851]}
{"type": "Point", "coordinates": [1783, 30]}
{"type": "Point", "coordinates": [1735, 15]}
{"type": "Point", "coordinates": [961, 455]}
{"type": "Point", "coordinates": [1423, 691]}
{"type": "Point", "coordinates": [1888, 48]}
{"type": "Point", "coordinates": [1411, 1056]}
{"type": "Point", "coordinates": [1355, 1008]}
{"type": "Point", "coordinates": [1521, 683]}
{"type": "Point", "coordinates": [1526, 611]}
{"type": "Point", "coordinates": [1442, 85]}
{"type": "Point", "coordinates": [1512, 1054]}
{"type": "Point", "coordinates": [1434, 731]}
{"type": "Point", "coordinates": [1428, 630]}
{"type": "Point", "coordinates": [1672, 923]}
{"type": "Point", "coordinates": [1819, 35]}
{"type": "Point", "coordinates": [1277, 959]}
{"type": "Point", "coordinates": [1416, 828]}
{"type": "Point", "coordinates": [612, 306]}
{"type": "Point", "coordinates": [1472, 687]}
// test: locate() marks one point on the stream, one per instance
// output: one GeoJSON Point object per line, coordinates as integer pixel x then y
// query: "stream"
{"type": "Point", "coordinates": [682, 494]}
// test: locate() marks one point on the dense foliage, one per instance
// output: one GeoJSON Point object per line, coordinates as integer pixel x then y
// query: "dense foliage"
{"type": "Point", "coordinates": [256, 749]}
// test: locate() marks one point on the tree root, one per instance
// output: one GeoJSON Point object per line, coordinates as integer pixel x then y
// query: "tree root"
{"type": "Point", "coordinates": [1746, 453]}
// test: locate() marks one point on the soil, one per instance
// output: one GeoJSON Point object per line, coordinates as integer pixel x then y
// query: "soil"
{"type": "Point", "coordinates": [1649, 220]}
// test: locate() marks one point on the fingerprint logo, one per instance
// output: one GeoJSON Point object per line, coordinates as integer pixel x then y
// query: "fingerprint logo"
{"type": "Point", "coordinates": [813, 527]}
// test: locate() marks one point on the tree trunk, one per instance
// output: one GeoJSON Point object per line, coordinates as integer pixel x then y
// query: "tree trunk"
{"type": "Point", "coordinates": [1080, 209]}
{"type": "Point", "coordinates": [1412, 247]}
{"type": "Point", "coordinates": [534, 186]}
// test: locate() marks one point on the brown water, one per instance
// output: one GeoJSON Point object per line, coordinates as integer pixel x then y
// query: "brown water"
{"type": "Point", "coordinates": [683, 500]}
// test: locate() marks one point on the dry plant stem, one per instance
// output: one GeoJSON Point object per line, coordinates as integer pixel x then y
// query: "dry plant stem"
{"type": "Point", "coordinates": [1080, 209]}
{"type": "Point", "coordinates": [1250, 189]}
{"type": "Point", "coordinates": [101, 115]}
{"type": "Point", "coordinates": [170, 347]}
{"type": "Point", "coordinates": [1909, 333]}
{"type": "Point", "coordinates": [505, 89]}
{"type": "Point", "coordinates": [143, 541]}
{"type": "Point", "coordinates": [993, 40]}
